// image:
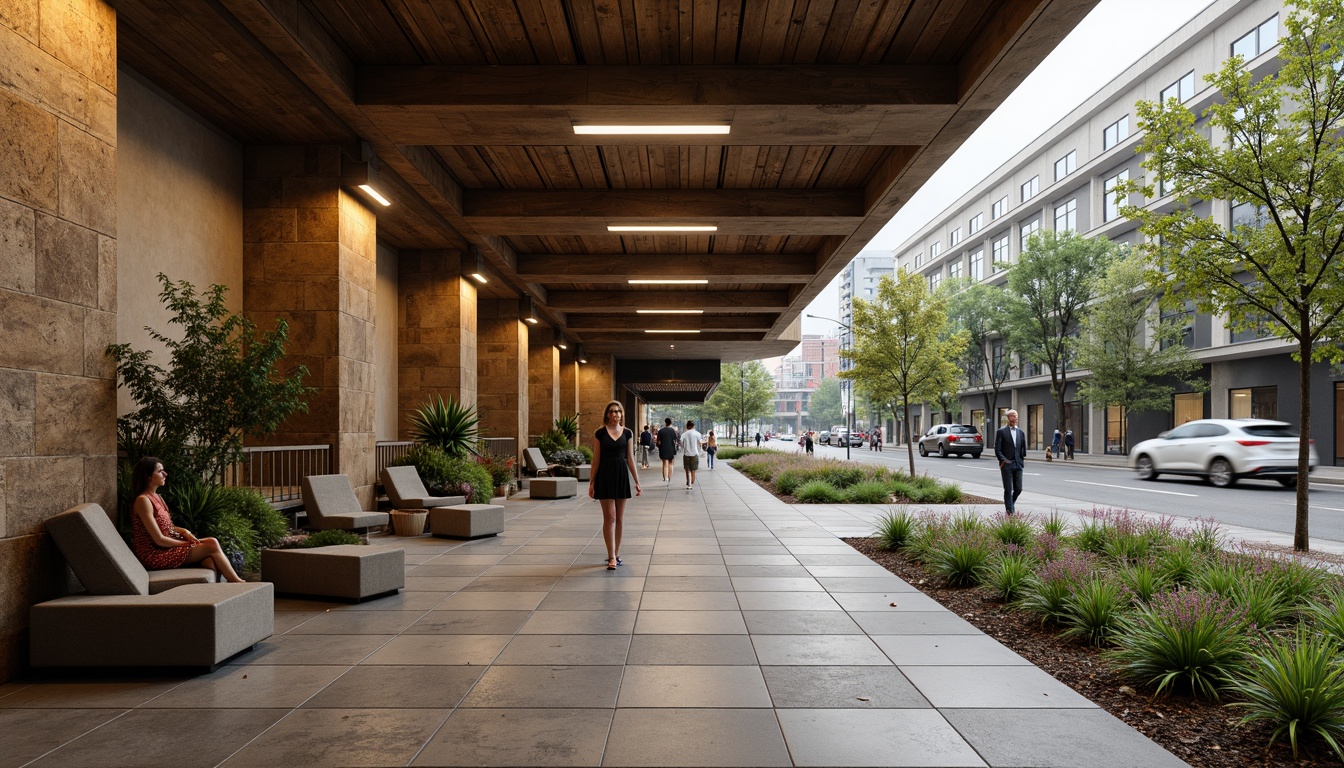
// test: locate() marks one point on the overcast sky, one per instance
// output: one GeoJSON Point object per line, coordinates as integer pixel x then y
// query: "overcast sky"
{"type": "Point", "coordinates": [1116, 34]}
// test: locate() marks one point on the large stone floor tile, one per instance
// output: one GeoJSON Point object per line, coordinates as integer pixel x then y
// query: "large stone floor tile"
{"type": "Point", "coordinates": [722, 737]}
{"type": "Point", "coordinates": [591, 601]}
{"type": "Point", "coordinates": [545, 650]}
{"type": "Point", "coordinates": [393, 687]}
{"type": "Point", "coordinates": [693, 686]}
{"type": "Point", "coordinates": [614, 584]}
{"type": "Point", "coordinates": [511, 584]}
{"type": "Point", "coordinates": [828, 650]}
{"type": "Point", "coordinates": [994, 688]}
{"type": "Point", "coordinates": [89, 693]}
{"type": "Point", "coordinates": [769, 572]}
{"type": "Point", "coordinates": [870, 571]}
{"type": "Point", "coordinates": [26, 734]}
{"type": "Point", "coordinates": [580, 623]}
{"type": "Point", "coordinates": [841, 687]}
{"type": "Point", "coordinates": [689, 601]}
{"type": "Point", "coordinates": [716, 569]}
{"type": "Point", "coordinates": [571, 687]}
{"type": "Point", "coordinates": [401, 601]}
{"type": "Point", "coordinates": [492, 601]}
{"type": "Point", "coordinates": [760, 560]}
{"type": "Point", "coordinates": [893, 622]}
{"type": "Point", "coordinates": [945, 650]}
{"type": "Point", "coordinates": [690, 623]}
{"type": "Point", "coordinates": [438, 583]}
{"type": "Point", "coordinates": [702, 559]}
{"type": "Point", "coordinates": [519, 737]}
{"type": "Point", "coordinates": [787, 601]}
{"type": "Point", "coordinates": [800, 623]}
{"type": "Point", "coordinates": [342, 737]}
{"type": "Point", "coordinates": [252, 687]}
{"type": "Point", "coordinates": [166, 738]}
{"type": "Point", "coordinates": [885, 601]}
{"type": "Point", "coordinates": [441, 570]}
{"type": "Point", "coordinates": [358, 623]}
{"type": "Point", "coordinates": [874, 737]}
{"type": "Point", "coordinates": [468, 623]}
{"type": "Point", "coordinates": [735, 650]}
{"type": "Point", "coordinates": [321, 650]}
{"type": "Point", "coordinates": [1058, 738]}
{"type": "Point", "coordinates": [439, 649]}
{"type": "Point", "coordinates": [688, 584]}
{"type": "Point", "coordinates": [837, 584]}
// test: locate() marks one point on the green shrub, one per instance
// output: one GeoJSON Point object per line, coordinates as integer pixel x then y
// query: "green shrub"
{"type": "Point", "coordinates": [1012, 529]}
{"type": "Point", "coordinates": [902, 489]}
{"type": "Point", "coordinates": [1327, 616]}
{"type": "Point", "coordinates": [586, 452]}
{"type": "Point", "coordinates": [1297, 582]}
{"type": "Point", "coordinates": [1052, 584]}
{"type": "Point", "coordinates": [1008, 575]}
{"type": "Point", "coordinates": [1091, 611]}
{"type": "Point", "coordinates": [842, 476]}
{"type": "Point", "coordinates": [1125, 548]}
{"type": "Point", "coordinates": [730, 453]}
{"type": "Point", "coordinates": [820, 492]}
{"type": "Point", "coordinates": [789, 481]}
{"type": "Point", "coordinates": [269, 525]}
{"type": "Point", "coordinates": [963, 558]}
{"type": "Point", "coordinates": [1206, 536]}
{"type": "Point", "coordinates": [895, 529]}
{"type": "Point", "coordinates": [551, 441]}
{"type": "Point", "coordinates": [330, 538]}
{"type": "Point", "coordinates": [966, 521]}
{"type": "Point", "coordinates": [1054, 523]}
{"type": "Point", "coordinates": [868, 492]}
{"type": "Point", "coordinates": [1297, 685]}
{"type": "Point", "coordinates": [1185, 639]}
{"type": "Point", "coordinates": [568, 426]}
{"type": "Point", "coordinates": [445, 475]}
{"type": "Point", "coordinates": [1093, 535]}
{"type": "Point", "coordinates": [206, 510]}
{"type": "Point", "coordinates": [1142, 580]}
{"type": "Point", "coordinates": [1261, 602]}
{"type": "Point", "coordinates": [1220, 576]}
{"type": "Point", "coordinates": [1179, 562]}
{"type": "Point", "coordinates": [447, 425]}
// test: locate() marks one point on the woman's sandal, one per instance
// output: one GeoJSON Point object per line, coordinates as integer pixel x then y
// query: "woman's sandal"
{"type": "Point", "coordinates": [618, 561]}
{"type": "Point", "coordinates": [611, 564]}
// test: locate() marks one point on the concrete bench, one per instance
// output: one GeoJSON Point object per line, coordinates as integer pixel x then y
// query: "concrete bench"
{"type": "Point", "coordinates": [466, 521]}
{"type": "Point", "coordinates": [348, 571]}
{"type": "Point", "coordinates": [553, 487]}
{"type": "Point", "coordinates": [583, 471]}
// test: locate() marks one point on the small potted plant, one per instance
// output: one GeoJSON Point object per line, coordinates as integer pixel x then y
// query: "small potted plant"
{"type": "Point", "coordinates": [501, 472]}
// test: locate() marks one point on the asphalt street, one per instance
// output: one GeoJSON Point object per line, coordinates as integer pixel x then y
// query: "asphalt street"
{"type": "Point", "coordinates": [1262, 504]}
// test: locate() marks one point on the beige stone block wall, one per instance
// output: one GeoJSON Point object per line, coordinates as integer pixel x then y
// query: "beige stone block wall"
{"type": "Point", "coordinates": [436, 332]}
{"type": "Point", "coordinates": [502, 370]}
{"type": "Point", "coordinates": [58, 289]}
{"type": "Point", "coordinates": [543, 380]}
{"type": "Point", "coordinates": [597, 387]}
{"type": "Point", "coordinates": [310, 256]}
{"type": "Point", "coordinates": [569, 383]}
{"type": "Point", "coordinates": [385, 346]}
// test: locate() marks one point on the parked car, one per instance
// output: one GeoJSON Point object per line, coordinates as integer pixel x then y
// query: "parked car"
{"type": "Point", "coordinates": [824, 437]}
{"type": "Point", "coordinates": [947, 439]}
{"type": "Point", "coordinates": [1223, 451]}
{"type": "Point", "coordinates": [789, 437]}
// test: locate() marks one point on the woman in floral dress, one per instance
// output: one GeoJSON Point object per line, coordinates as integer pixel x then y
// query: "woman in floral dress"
{"type": "Point", "coordinates": [159, 544]}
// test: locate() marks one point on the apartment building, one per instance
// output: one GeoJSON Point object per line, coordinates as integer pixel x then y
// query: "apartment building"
{"type": "Point", "coordinates": [1061, 181]}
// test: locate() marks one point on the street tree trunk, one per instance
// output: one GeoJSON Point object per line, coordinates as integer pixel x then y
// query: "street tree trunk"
{"type": "Point", "coordinates": [1301, 539]}
{"type": "Point", "coordinates": [909, 442]}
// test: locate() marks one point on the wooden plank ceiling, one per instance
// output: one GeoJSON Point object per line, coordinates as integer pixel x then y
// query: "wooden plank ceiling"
{"type": "Point", "coordinates": [838, 111]}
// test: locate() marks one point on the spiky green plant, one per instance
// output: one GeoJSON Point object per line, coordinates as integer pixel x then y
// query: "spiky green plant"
{"type": "Point", "coordinates": [1008, 575]}
{"type": "Point", "coordinates": [447, 425]}
{"type": "Point", "coordinates": [568, 426]}
{"type": "Point", "coordinates": [1092, 610]}
{"type": "Point", "coordinates": [895, 529]}
{"type": "Point", "coordinates": [1297, 685]}
{"type": "Point", "coordinates": [1182, 639]}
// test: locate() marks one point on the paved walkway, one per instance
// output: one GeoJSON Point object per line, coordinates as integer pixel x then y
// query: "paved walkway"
{"type": "Point", "coordinates": [739, 632]}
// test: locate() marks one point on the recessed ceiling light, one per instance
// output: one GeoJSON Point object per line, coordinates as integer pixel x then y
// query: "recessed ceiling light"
{"type": "Point", "coordinates": [371, 192]}
{"type": "Point", "coordinates": [651, 130]}
{"type": "Point", "coordinates": [686, 330]}
{"type": "Point", "coordinates": [669, 311]}
{"type": "Point", "coordinates": [668, 282]}
{"type": "Point", "coordinates": [662, 228]}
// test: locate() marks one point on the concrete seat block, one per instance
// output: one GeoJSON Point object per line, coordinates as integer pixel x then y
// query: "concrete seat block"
{"type": "Point", "coordinates": [349, 571]}
{"type": "Point", "coordinates": [466, 521]}
{"type": "Point", "coordinates": [553, 487]}
{"type": "Point", "coordinates": [583, 471]}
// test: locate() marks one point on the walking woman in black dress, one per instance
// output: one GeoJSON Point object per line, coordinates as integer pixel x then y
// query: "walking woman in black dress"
{"type": "Point", "coordinates": [613, 468]}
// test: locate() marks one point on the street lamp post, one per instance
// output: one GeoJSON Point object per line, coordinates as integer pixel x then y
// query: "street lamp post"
{"type": "Point", "coordinates": [742, 425]}
{"type": "Point", "coordinates": [849, 386]}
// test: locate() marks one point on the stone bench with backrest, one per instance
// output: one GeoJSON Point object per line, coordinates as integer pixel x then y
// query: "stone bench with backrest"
{"type": "Point", "coordinates": [331, 503]}
{"type": "Point", "coordinates": [535, 464]}
{"type": "Point", "coordinates": [130, 617]}
{"type": "Point", "coordinates": [406, 490]}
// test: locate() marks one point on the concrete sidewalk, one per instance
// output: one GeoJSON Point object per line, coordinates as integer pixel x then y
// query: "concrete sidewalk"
{"type": "Point", "coordinates": [739, 632]}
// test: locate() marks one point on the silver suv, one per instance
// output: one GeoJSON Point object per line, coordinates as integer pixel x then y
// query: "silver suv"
{"type": "Point", "coordinates": [1223, 451]}
{"type": "Point", "coordinates": [947, 439]}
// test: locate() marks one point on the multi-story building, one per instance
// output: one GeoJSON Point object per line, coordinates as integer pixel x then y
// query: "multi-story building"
{"type": "Point", "coordinates": [1061, 182]}
{"type": "Point", "coordinates": [799, 375]}
{"type": "Point", "coordinates": [859, 280]}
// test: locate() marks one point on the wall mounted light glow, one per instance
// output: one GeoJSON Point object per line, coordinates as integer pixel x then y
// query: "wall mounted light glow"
{"type": "Point", "coordinates": [531, 311]}
{"type": "Point", "coordinates": [371, 192]}
{"type": "Point", "coordinates": [668, 282]}
{"type": "Point", "coordinates": [652, 130]}
{"type": "Point", "coordinates": [479, 274]}
{"type": "Point", "coordinates": [581, 355]}
{"type": "Point", "coordinates": [650, 330]}
{"type": "Point", "coordinates": [562, 343]}
{"type": "Point", "coordinates": [669, 311]}
{"type": "Point", "coordinates": [662, 228]}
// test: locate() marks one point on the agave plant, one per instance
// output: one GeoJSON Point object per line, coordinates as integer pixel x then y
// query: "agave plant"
{"type": "Point", "coordinates": [569, 426]}
{"type": "Point", "coordinates": [446, 425]}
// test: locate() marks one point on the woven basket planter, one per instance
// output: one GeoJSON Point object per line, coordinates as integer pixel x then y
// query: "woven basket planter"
{"type": "Point", "coordinates": [409, 522]}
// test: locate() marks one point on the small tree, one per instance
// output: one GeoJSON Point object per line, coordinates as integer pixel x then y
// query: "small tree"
{"type": "Point", "coordinates": [902, 349]}
{"type": "Point", "coordinates": [746, 391]}
{"type": "Point", "coordinates": [1135, 359]}
{"type": "Point", "coordinates": [1054, 284]}
{"type": "Point", "coordinates": [222, 382]}
{"type": "Point", "coordinates": [1278, 157]}
{"type": "Point", "coordinates": [825, 404]}
{"type": "Point", "coordinates": [983, 311]}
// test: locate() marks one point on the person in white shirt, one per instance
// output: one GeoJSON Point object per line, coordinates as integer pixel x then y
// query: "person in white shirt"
{"type": "Point", "coordinates": [690, 452]}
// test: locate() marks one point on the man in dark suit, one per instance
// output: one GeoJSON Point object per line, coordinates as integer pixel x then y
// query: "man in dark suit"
{"type": "Point", "coordinates": [1010, 448]}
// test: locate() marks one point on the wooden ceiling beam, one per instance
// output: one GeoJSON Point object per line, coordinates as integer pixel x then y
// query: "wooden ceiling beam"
{"type": "Point", "coordinates": [757, 322]}
{"type": "Point", "coordinates": [667, 338]}
{"type": "Point", "coordinates": [651, 86]}
{"type": "Point", "coordinates": [602, 267]}
{"type": "Point", "coordinates": [713, 301]}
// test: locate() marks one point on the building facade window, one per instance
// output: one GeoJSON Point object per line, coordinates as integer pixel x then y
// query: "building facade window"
{"type": "Point", "coordinates": [1184, 316]}
{"type": "Point", "coordinates": [954, 270]}
{"type": "Point", "coordinates": [978, 265]}
{"type": "Point", "coordinates": [999, 208]}
{"type": "Point", "coordinates": [1115, 429]}
{"type": "Point", "coordinates": [1186, 407]}
{"type": "Point", "coordinates": [976, 223]}
{"type": "Point", "coordinates": [1066, 216]}
{"type": "Point", "coordinates": [934, 250]}
{"type": "Point", "coordinates": [1182, 90]}
{"type": "Point", "coordinates": [1253, 403]}
{"type": "Point", "coordinates": [1066, 165]}
{"type": "Point", "coordinates": [1029, 228]}
{"type": "Point", "coordinates": [919, 260]}
{"type": "Point", "coordinates": [1030, 188]}
{"type": "Point", "coordinates": [935, 280]}
{"type": "Point", "coordinates": [1110, 207]}
{"type": "Point", "coordinates": [1258, 40]}
{"type": "Point", "coordinates": [1115, 133]}
{"type": "Point", "coordinates": [999, 255]}
{"type": "Point", "coordinates": [999, 358]}
{"type": "Point", "coordinates": [1249, 215]}
{"type": "Point", "coordinates": [954, 237]}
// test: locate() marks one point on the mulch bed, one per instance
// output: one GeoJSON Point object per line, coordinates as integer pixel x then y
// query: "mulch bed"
{"type": "Point", "coordinates": [1199, 732]}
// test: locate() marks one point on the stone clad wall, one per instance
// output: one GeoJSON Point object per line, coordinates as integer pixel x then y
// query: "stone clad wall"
{"type": "Point", "coordinates": [597, 386]}
{"type": "Point", "coordinates": [58, 289]}
{"type": "Point", "coordinates": [543, 380]}
{"type": "Point", "coordinates": [436, 332]}
{"type": "Point", "coordinates": [502, 357]}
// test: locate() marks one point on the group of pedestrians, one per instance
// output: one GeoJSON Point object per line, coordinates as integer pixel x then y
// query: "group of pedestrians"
{"type": "Point", "coordinates": [1062, 443]}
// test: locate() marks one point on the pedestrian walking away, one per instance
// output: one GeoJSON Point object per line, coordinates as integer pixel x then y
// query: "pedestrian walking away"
{"type": "Point", "coordinates": [807, 442]}
{"type": "Point", "coordinates": [1010, 448]}
{"type": "Point", "coordinates": [645, 446]}
{"type": "Point", "coordinates": [690, 452]}
{"type": "Point", "coordinates": [711, 448]}
{"type": "Point", "coordinates": [1068, 444]}
{"type": "Point", "coordinates": [1055, 443]}
{"type": "Point", "coordinates": [613, 472]}
{"type": "Point", "coordinates": [667, 447]}
{"type": "Point", "coordinates": [758, 439]}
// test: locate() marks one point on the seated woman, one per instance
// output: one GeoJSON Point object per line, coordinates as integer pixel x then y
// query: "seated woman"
{"type": "Point", "coordinates": [159, 544]}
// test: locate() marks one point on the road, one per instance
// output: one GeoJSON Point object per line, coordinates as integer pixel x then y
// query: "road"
{"type": "Point", "coordinates": [1252, 503]}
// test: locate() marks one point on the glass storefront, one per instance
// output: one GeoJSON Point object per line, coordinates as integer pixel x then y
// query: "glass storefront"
{"type": "Point", "coordinates": [1253, 403]}
{"type": "Point", "coordinates": [1115, 429]}
{"type": "Point", "coordinates": [1187, 406]}
{"type": "Point", "coordinates": [1036, 427]}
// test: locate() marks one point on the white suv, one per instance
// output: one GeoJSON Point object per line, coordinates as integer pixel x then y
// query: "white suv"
{"type": "Point", "coordinates": [1223, 451]}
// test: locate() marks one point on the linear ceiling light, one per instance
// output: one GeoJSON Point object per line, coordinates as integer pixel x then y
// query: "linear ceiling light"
{"type": "Point", "coordinates": [686, 330]}
{"type": "Point", "coordinates": [669, 311]}
{"type": "Point", "coordinates": [668, 282]}
{"type": "Point", "coordinates": [479, 274]}
{"type": "Point", "coordinates": [652, 130]}
{"type": "Point", "coordinates": [662, 228]}
{"type": "Point", "coordinates": [371, 192]}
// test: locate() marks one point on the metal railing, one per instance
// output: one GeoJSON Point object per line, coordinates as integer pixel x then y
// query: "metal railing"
{"type": "Point", "coordinates": [500, 447]}
{"type": "Point", "coordinates": [277, 472]}
{"type": "Point", "coordinates": [387, 451]}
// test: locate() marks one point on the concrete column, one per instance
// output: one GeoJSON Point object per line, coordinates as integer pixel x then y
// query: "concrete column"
{"type": "Point", "coordinates": [58, 291]}
{"type": "Point", "coordinates": [569, 383]}
{"type": "Point", "coordinates": [310, 256]}
{"type": "Point", "coordinates": [502, 352]}
{"type": "Point", "coordinates": [597, 382]}
{"type": "Point", "coordinates": [543, 380]}
{"type": "Point", "coordinates": [436, 335]}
